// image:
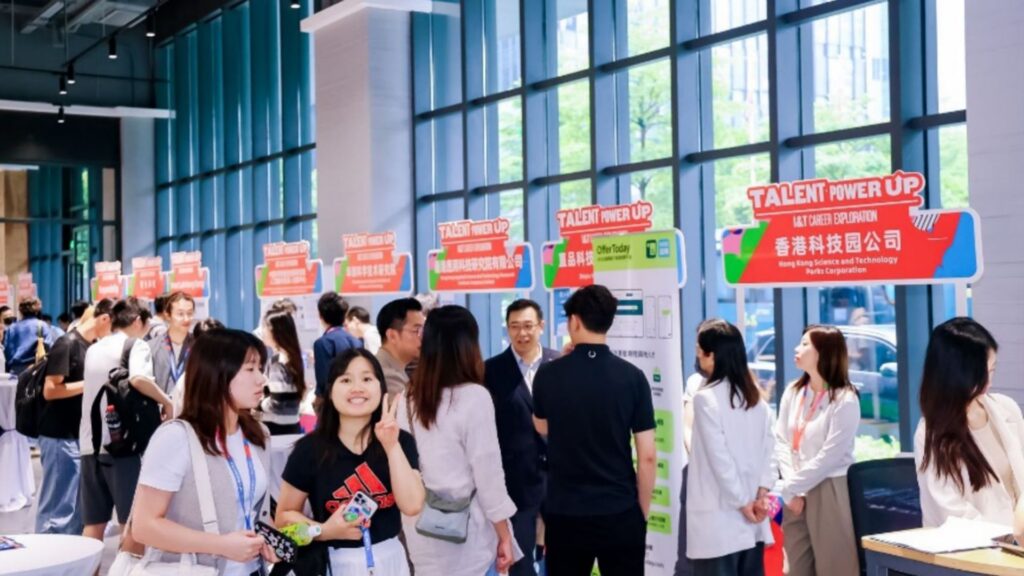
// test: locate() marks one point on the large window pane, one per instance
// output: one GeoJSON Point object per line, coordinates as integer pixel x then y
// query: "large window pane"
{"type": "Point", "coordinates": [570, 195]}
{"type": "Point", "coordinates": [573, 146]}
{"type": "Point", "coordinates": [568, 33]}
{"type": "Point", "coordinates": [447, 153]}
{"type": "Point", "coordinates": [655, 186]}
{"type": "Point", "coordinates": [509, 205]}
{"type": "Point", "coordinates": [952, 72]}
{"type": "Point", "coordinates": [646, 27]}
{"type": "Point", "coordinates": [953, 167]}
{"type": "Point", "coordinates": [740, 88]}
{"type": "Point", "coordinates": [649, 93]}
{"type": "Point", "coordinates": [854, 158]}
{"type": "Point", "coordinates": [502, 69]}
{"type": "Point", "coordinates": [732, 208]}
{"type": "Point", "coordinates": [445, 53]}
{"type": "Point", "coordinates": [445, 211]}
{"type": "Point", "coordinates": [851, 68]}
{"type": "Point", "coordinates": [503, 141]}
{"type": "Point", "coordinates": [728, 14]}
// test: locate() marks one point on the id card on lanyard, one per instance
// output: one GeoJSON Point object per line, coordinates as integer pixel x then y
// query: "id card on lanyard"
{"type": "Point", "coordinates": [246, 504]}
{"type": "Point", "coordinates": [177, 364]}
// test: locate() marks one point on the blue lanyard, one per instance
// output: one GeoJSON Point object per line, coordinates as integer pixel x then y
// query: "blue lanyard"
{"type": "Point", "coordinates": [177, 364]}
{"type": "Point", "coordinates": [368, 549]}
{"type": "Point", "coordinates": [246, 510]}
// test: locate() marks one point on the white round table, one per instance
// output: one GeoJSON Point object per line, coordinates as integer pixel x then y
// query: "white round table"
{"type": "Point", "coordinates": [16, 481]}
{"type": "Point", "coordinates": [51, 555]}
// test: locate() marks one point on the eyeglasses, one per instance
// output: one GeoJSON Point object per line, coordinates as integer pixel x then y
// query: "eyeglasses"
{"type": "Point", "coordinates": [529, 327]}
{"type": "Point", "coordinates": [415, 330]}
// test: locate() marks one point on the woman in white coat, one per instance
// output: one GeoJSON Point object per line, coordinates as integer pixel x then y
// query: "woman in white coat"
{"type": "Point", "coordinates": [732, 461]}
{"type": "Point", "coordinates": [969, 445]}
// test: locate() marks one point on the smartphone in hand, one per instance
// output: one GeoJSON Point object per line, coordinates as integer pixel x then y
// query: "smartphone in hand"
{"type": "Point", "coordinates": [283, 546]}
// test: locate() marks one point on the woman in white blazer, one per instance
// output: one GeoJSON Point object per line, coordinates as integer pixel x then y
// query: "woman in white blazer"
{"type": "Point", "coordinates": [969, 445]}
{"type": "Point", "coordinates": [732, 464]}
{"type": "Point", "coordinates": [818, 419]}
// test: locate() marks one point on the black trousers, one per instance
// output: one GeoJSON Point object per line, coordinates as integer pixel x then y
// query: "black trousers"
{"type": "Point", "coordinates": [524, 528]}
{"type": "Point", "coordinates": [748, 562]}
{"type": "Point", "coordinates": [616, 541]}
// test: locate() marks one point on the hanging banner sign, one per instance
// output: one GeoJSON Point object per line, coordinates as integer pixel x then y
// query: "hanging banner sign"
{"type": "Point", "coordinates": [475, 258]}
{"type": "Point", "coordinates": [864, 230]}
{"type": "Point", "coordinates": [568, 263]}
{"type": "Point", "coordinates": [645, 271]}
{"type": "Point", "coordinates": [288, 271]}
{"type": "Point", "coordinates": [188, 275]}
{"type": "Point", "coordinates": [147, 279]}
{"type": "Point", "coordinates": [108, 281]}
{"type": "Point", "coordinates": [371, 267]}
{"type": "Point", "coordinates": [26, 287]}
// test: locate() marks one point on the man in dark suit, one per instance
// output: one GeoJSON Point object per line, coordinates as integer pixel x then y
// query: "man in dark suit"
{"type": "Point", "coordinates": [509, 377]}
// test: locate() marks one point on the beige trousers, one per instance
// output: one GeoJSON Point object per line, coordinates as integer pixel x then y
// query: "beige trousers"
{"type": "Point", "coordinates": [820, 541]}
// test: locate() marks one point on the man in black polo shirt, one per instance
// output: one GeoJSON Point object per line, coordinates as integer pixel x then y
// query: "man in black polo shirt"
{"type": "Point", "coordinates": [590, 404]}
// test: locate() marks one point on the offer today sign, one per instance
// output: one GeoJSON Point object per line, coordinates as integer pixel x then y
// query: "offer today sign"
{"type": "Point", "coordinates": [5, 290]}
{"type": "Point", "coordinates": [475, 257]}
{"type": "Point", "coordinates": [188, 275]}
{"type": "Point", "coordinates": [26, 287]}
{"type": "Point", "coordinates": [863, 230]}
{"type": "Point", "coordinates": [288, 271]}
{"type": "Point", "coordinates": [147, 280]}
{"type": "Point", "coordinates": [107, 283]}
{"type": "Point", "coordinates": [569, 262]}
{"type": "Point", "coordinates": [370, 266]}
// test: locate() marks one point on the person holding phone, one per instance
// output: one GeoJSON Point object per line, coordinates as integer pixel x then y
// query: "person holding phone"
{"type": "Point", "coordinates": [356, 452]}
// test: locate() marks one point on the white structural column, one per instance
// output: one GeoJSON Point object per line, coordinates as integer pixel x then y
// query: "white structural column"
{"type": "Point", "coordinates": [995, 137]}
{"type": "Point", "coordinates": [364, 120]}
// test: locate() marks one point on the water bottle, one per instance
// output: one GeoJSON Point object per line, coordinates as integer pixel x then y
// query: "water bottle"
{"type": "Point", "coordinates": [301, 533]}
{"type": "Point", "coordinates": [114, 425]}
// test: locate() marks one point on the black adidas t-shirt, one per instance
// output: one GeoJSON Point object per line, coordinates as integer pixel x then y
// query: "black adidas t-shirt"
{"type": "Point", "coordinates": [331, 485]}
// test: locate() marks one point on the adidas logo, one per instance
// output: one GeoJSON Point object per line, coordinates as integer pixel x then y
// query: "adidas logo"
{"type": "Point", "coordinates": [364, 480]}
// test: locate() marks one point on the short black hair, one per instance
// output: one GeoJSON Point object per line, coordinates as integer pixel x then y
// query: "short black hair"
{"type": "Point", "coordinates": [332, 308]}
{"type": "Point", "coordinates": [104, 306]}
{"type": "Point", "coordinates": [359, 313]}
{"type": "Point", "coordinates": [65, 318]}
{"type": "Point", "coordinates": [160, 303]}
{"type": "Point", "coordinates": [126, 312]}
{"type": "Point", "coordinates": [523, 304]}
{"type": "Point", "coordinates": [595, 306]}
{"type": "Point", "coordinates": [78, 308]}
{"type": "Point", "coordinates": [392, 315]}
{"type": "Point", "coordinates": [4, 308]}
{"type": "Point", "coordinates": [46, 318]}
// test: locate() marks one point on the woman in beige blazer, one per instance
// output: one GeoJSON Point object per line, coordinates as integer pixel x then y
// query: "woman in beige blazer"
{"type": "Point", "coordinates": [969, 445]}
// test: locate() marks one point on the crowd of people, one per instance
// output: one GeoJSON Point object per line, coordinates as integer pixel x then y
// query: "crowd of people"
{"type": "Point", "coordinates": [534, 457]}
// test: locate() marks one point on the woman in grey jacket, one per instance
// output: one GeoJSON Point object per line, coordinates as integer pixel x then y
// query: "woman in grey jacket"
{"type": "Point", "coordinates": [225, 376]}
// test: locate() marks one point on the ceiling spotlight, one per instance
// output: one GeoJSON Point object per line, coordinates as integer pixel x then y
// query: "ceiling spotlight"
{"type": "Point", "coordinates": [295, 4]}
{"type": "Point", "coordinates": [62, 86]}
{"type": "Point", "coordinates": [150, 27]}
{"type": "Point", "coordinates": [60, 115]}
{"type": "Point", "coordinates": [112, 47]}
{"type": "Point", "coordinates": [71, 73]}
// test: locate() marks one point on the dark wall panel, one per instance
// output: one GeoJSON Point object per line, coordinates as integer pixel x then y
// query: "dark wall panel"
{"type": "Point", "coordinates": [39, 139]}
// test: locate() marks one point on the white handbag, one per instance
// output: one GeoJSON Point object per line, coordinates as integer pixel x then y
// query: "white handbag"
{"type": "Point", "coordinates": [127, 564]}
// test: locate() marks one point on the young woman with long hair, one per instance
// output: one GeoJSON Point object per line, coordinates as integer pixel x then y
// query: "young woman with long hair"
{"type": "Point", "coordinates": [286, 375]}
{"type": "Point", "coordinates": [969, 445]}
{"type": "Point", "coordinates": [818, 420]}
{"type": "Point", "coordinates": [732, 462]}
{"type": "Point", "coordinates": [357, 446]}
{"type": "Point", "coordinates": [225, 383]}
{"type": "Point", "coordinates": [451, 415]}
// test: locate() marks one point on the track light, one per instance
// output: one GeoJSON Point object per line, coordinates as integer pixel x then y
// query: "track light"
{"type": "Point", "coordinates": [71, 73]}
{"type": "Point", "coordinates": [112, 47]}
{"type": "Point", "coordinates": [62, 85]}
{"type": "Point", "coordinates": [60, 115]}
{"type": "Point", "coordinates": [295, 4]}
{"type": "Point", "coordinates": [150, 27]}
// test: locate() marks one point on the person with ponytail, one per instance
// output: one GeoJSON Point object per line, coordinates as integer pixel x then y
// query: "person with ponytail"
{"type": "Point", "coordinates": [732, 464]}
{"type": "Point", "coordinates": [286, 375]}
{"type": "Point", "coordinates": [969, 445]}
{"type": "Point", "coordinates": [818, 419]}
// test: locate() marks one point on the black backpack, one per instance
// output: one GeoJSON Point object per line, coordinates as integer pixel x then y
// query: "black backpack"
{"type": "Point", "coordinates": [28, 399]}
{"type": "Point", "coordinates": [139, 414]}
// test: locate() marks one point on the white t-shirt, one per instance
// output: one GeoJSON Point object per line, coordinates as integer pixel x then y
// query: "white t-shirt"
{"type": "Point", "coordinates": [167, 461]}
{"type": "Point", "coordinates": [102, 357]}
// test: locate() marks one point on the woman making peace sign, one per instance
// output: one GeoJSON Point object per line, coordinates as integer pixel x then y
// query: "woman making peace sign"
{"type": "Point", "coordinates": [356, 447]}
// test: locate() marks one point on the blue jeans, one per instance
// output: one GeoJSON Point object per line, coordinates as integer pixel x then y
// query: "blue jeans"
{"type": "Point", "coordinates": [59, 512]}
